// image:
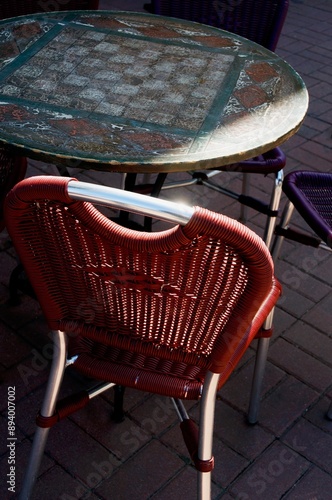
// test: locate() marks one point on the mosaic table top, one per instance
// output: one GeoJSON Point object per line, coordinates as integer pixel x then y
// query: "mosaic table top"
{"type": "Point", "coordinates": [130, 92]}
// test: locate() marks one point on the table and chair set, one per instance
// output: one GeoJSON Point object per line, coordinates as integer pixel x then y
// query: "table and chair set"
{"type": "Point", "coordinates": [171, 312]}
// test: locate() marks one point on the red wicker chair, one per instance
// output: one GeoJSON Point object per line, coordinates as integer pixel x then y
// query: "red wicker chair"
{"type": "Point", "coordinates": [12, 170]}
{"type": "Point", "coordinates": [13, 8]}
{"type": "Point", "coordinates": [311, 194]}
{"type": "Point", "coordinates": [168, 312]}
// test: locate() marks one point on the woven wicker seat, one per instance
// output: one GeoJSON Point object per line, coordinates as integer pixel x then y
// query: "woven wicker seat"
{"type": "Point", "coordinates": [12, 170]}
{"type": "Point", "coordinates": [311, 194]}
{"type": "Point", "coordinates": [168, 312]}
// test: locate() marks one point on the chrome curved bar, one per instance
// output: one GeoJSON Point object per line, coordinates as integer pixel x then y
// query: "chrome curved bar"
{"type": "Point", "coordinates": [129, 201]}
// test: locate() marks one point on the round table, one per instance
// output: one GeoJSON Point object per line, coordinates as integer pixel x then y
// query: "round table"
{"type": "Point", "coordinates": [131, 92]}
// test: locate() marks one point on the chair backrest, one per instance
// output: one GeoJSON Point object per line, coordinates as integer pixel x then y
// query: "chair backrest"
{"type": "Point", "coordinates": [13, 8]}
{"type": "Point", "coordinates": [311, 194]}
{"type": "Point", "coordinates": [12, 170]}
{"type": "Point", "coordinates": [258, 20]}
{"type": "Point", "coordinates": [188, 294]}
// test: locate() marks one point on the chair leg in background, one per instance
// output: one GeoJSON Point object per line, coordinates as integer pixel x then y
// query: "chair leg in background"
{"type": "Point", "coordinates": [118, 413]}
{"type": "Point", "coordinates": [329, 412]}
{"type": "Point", "coordinates": [47, 410]}
{"type": "Point", "coordinates": [284, 222]}
{"type": "Point", "coordinates": [263, 343]}
{"type": "Point", "coordinates": [245, 191]}
{"type": "Point", "coordinates": [257, 380]}
{"type": "Point", "coordinates": [273, 207]}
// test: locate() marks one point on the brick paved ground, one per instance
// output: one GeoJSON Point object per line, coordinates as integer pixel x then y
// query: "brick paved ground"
{"type": "Point", "coordinates": [288, 454]}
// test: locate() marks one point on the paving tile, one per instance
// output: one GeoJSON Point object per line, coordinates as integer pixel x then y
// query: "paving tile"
{"type": "Point", "coordinates": [293, 302]}
{"type": "Point", "coordinates": [37, 333]}
{"type": "Point", "coordinates": [313, 485]}
{"type": "Point", "coordinates": [184, 486]}
{"type": "Point", "coordinates": [321, 89]}
{"type": "Point", "coordinates": [123, 438]}
{"type": "Point", "coordinates": [318, 125]}
{"type": "Point", "coordinates": [311, 341]}
{"type": "Point", "coordinates": [13, 348]}
{"type": "Point", "coordinates": [323, 270]}
{"type": "Point", "coordinates": [22, 452]}
{"type": "Point", "coordinates": [23, 378]}
{"type": "Point", "coordinates": [285, 404]}
{"type": "Point", "coordinates": [237, 389]}
{"type": "Point", "coordinates": [308, 260]}
{"type": "Point", "coordinates": [157, 414]}
{"type": "Point", "coordinates": [132, 398]}
{"type": "Point", "coordinates": [308, 158]}
{"type": "Point", "coordinates": [80, 454]}
{"type": "Point", "coordinates": [317, 415]}
{"type": "Point", "coordinates": [323, 151]}
{"type": "Point", "coordinates": [28, 407]}
{"type": "Point", "coordinates": [282, 321]}
{"type": "Point", "coordinates": [58, 484]}
{"type": "Point", "coordinates": [306, 133]}
{"type": "Point", "coordinates": [231, 427]}
{"type": "Point", "coordinates": [301, 281]}
{"type": "Point", "coordinates": [8, 262]}
{"type": "Point", "coordinates": [300, 364]}
{"type": "Point", "coordinates": [271, 475]}
{"type": "Point", "coordinates": [148, 470]}
{"type": "Point", "coordinates": [18, 316]}
{"type": "Point", "coordinates": [321, 316]}
{"type": "Point", "coordinates": [228, 463]}
{"type": "Point", "coordinates": [312, 443]}
{"type": "Point", "coordinates": [324, 136]}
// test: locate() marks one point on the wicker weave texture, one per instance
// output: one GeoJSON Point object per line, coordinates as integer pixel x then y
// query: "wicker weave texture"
{"type": "Point", "coordinates": [143, 309]}
{"type": "Point", "coordinates": [13, 8]}
{"type": "Point", "coordinates": [311, 194]}
{"type": "Point", "coordinates": [259, 20]}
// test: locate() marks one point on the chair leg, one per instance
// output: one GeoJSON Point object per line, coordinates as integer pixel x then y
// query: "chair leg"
{"type": "Point", "coordinates": [274, 207]}
{"type": "Point", "coordinates": [284, 222]}
{"type": "Point", "coordinates": [47, 410]}
{"type": "Point", "coordinates": [263, 343]}
{"type": "Point", "coordinates": [118, 413]}
{"type": "Point", "coordinates": [206, 433]}
{"type": "Point", "coordinates": [257, 380]}
{"type": "Point", "coordinates": [329, 412]}
{"type": "Point", "coordinates": [245, 191]}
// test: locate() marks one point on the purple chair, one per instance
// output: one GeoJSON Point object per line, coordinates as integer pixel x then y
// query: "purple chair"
{"type": "Point", "coordinates": [311, 194]}
{"type": "Point", "coordinates": [257, 20]}
{"type": "Point", "coordinates": [13, 8]}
